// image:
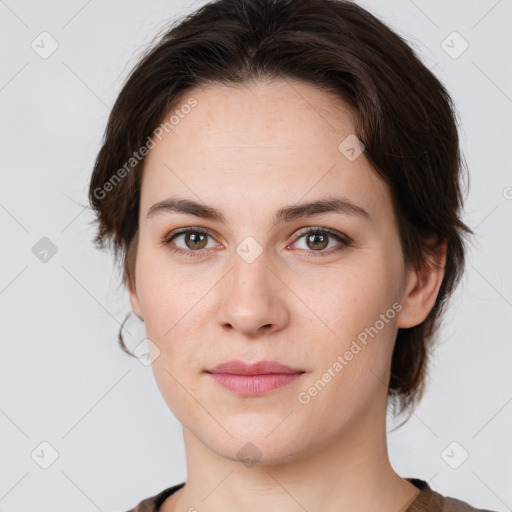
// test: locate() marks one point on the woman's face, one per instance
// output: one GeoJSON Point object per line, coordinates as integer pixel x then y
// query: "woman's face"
{"type": "Point", "coordinates": [256, 285]}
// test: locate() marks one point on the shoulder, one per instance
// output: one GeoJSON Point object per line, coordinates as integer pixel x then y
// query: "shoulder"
{"type": "Point", "coordinates": [153, 503]}
{"type": "Point", "coordinates": [429, 500]}
{"type": "Point", "coordinates": [456, 505]}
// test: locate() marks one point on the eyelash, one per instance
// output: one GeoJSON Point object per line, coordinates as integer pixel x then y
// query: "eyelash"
{"type": "Point", "coordinates": [343, 239]}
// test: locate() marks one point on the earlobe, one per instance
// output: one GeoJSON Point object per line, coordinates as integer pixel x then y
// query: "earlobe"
{"type": "Point", "coordinates": [422, 290]}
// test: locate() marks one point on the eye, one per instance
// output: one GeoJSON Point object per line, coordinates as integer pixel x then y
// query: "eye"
{"type": "Point", "coordinates": [316, 240]}
{"type": "Point", "coordinates": [193, 240]}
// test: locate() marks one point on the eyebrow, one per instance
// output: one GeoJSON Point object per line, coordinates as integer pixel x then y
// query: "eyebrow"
{"type": "Point", "coordinates": [287, 214]}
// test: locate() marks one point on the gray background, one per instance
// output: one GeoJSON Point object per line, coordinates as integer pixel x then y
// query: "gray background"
{"type": "Point", "coordinates": [63, 379]}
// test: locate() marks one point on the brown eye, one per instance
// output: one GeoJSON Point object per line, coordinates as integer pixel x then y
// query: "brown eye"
{"type": "Point", "coordinates": [196, 239]}
{"type": "Point", "coordinates": [317, 241]}
{"type": "Point", "coordinates": [189, 242]}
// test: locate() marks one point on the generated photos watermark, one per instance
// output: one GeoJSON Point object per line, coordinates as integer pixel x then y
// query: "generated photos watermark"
{"type": "Point", "coordinates": [304, 397]}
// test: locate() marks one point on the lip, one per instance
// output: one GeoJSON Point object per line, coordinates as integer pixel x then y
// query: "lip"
{"type": "Point", "coordinates": [253, 378]}
{"type": "Point", "coordinates": [237, 367]}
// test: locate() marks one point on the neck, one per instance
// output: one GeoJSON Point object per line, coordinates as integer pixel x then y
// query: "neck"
{"type": "Point", "coordinates": [348, 472]}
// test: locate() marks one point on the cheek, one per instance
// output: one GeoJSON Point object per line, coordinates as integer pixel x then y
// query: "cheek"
{"type": "Point", "coordinates": [358, 316]}
{"type": "Point", "coordinates": [165, 295]}
{"type": "Point", "coordinates": [172, 304]}
{"type": "Point", "coordinates": [167, 301]}
{"type": "Point", "coordinates": [344, 302]}
{"type": "Point", "coordinates": [350, 371]}
{"type": "Point", "coordinates": [177, 388]}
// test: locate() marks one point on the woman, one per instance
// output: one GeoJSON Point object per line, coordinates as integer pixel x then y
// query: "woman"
{"type": "Point", "coordinates": [282, 181]}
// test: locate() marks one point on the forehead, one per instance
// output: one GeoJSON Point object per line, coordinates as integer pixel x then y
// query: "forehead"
{"type": "Point", "coordinates": [277, 141]}
{"type": "Point", "coordinates": [253, 115]}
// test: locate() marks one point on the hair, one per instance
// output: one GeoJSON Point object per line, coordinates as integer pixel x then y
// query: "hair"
{"type": "Point", "coordinates": [403, 115]}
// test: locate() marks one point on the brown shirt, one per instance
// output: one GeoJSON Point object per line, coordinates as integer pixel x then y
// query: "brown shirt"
{"type": "Point", "coordinates": [426, 501]}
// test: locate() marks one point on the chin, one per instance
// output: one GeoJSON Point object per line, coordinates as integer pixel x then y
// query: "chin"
{"type": "Point", "coordinates": [259, 444]}
{"type": "Point", "coordinates": [258, 452]}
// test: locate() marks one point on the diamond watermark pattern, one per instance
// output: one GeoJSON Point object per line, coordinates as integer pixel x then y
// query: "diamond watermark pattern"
{"type": "Point", "coordinates": [44, 45]}
{"type": "Point", "coordinates": [454, 45]}
{"type": "Point", "coordinates": [351, 147]}
{"type": "Point", "coordinates": [44, 250]}
{"type": "Point", "coordinates": [249, 249]}
{"type": "Point", "coordinates": [44, 455]}
{"type": "Point", "coordinates": [454, 455]}
{"type": "Point", "coordinates": [146, 352]}
{"type": "Point", "coordinates": [249, 454]}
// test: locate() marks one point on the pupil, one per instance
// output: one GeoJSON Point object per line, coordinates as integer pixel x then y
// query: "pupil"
{"type": "Point", "coordinates": [322, 245]}
{"type": "Point", "coordinates": [197, 239]}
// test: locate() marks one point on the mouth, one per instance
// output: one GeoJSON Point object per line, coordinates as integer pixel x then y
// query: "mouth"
{"type": "Point", "coordinates": [254, 378]}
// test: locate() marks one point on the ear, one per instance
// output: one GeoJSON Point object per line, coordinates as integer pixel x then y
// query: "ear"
{"type": "Point", "coordinates": [421, 290]}
{"type": "Point", "coordinates": [131, 262]}
{"type": "Point", "coordinates": [134, 301]}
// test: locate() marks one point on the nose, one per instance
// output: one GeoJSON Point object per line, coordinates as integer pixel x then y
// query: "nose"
{"type": "Point", "coordinates": [252, 299]}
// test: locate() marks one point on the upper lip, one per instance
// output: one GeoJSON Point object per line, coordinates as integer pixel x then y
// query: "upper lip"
{"type": "Point", "coordinates": [237, 367]}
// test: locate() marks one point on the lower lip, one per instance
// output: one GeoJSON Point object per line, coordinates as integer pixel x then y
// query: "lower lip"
{"type": "Point", "coordinates": [254, 384]}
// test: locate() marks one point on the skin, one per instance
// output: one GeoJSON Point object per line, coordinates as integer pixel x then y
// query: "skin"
{"type": "Point", "coordinates": [249, 151]}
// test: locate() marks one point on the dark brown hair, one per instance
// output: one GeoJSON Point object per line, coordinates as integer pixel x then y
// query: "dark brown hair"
{"type": "Point", "coordinates": [404, 117]}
